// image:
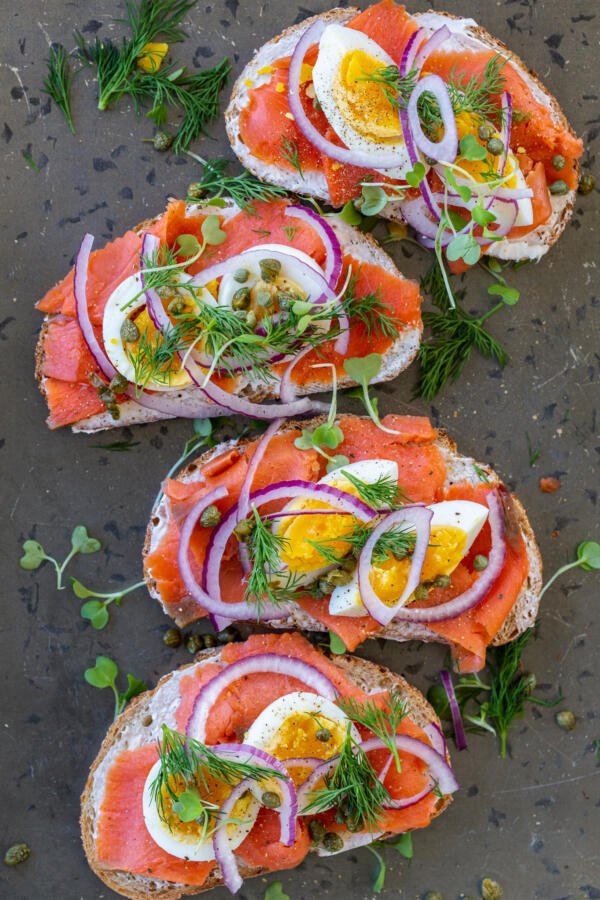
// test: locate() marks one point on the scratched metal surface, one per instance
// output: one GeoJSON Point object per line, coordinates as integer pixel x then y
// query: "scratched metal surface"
{"type": "Point", "coordinates": [530, 821]}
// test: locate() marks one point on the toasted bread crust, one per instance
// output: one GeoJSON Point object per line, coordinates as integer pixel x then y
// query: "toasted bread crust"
{"type": "Point", "coordinates": [521, 617]}
{"type": "Point", "coordinates": [532, 246]}
{"type": "Point", "coordinates": [367, 675]}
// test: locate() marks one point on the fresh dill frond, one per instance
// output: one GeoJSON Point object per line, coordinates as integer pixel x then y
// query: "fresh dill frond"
{"type": "Point", "coordinates": [455, 334]}
{"type": "Point", "coordinates": [57, 83]}
{"type": "Point", "coordinates": [381, 721]}
{"type": "Point", "coordinates": [186, 764]}
{"type": "Point", "coordinates": [290, 232]}
{"type": "Point", "coordinates": [265, 582]}
{"type": "Point", "coordinates": [396, 88]}
{"type": "Point", "coordinates": [289, 151]}
{"type": "Point", "coordinates": [371, 311]}
{"type": "Point", "coordinates": [244, 189]}
{"type": "Point", "coordinates": [352, 786]}
{"type": "Point", "coordinates": [155, 353]}
{"type": "Point", "coordinates": [385, 493]}
{"type": "Point", "coordinates": [396, 543]}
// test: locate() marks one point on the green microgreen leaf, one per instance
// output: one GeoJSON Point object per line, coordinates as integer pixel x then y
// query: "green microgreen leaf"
{"type": "Point", "coordinates": [379, 880]}
{"type": "Point", "coordinates": [415, 176]}
{"type": "Point", "coordinates": [189, 806]}
{"type": "Point", "coordinates": [104, 674]}
{"type": "Point", "coordinates": [188, 244]}
{"type": "Point", "coordinates": [373, 199]}
{"type": "Point", "coordinates": [336, 644]}
{"type": "Point", "coordinates": [588, 559]}
{"type": "Point", "coordinates": [33, 556]}
{"type": "Point", "coordinates": [350, 214]}
{"type": "Point", "coordinates": [275, 892]}
{"type": "Point", "coordinates": [96, 613]}
{"type": "Point", "coordinates": [471, 149]}
{"type": "Point", "coordinates": [465, 247]}
{"type": "Point", "coordinates": [81, 542]}
{"type": "Point", "coordinates": [508, 295]}
{"type": "Point", "coordinates": [212, 232]}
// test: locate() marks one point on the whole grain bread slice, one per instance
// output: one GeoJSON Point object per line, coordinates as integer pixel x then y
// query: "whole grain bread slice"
{"type": "Point", "coordinates": [363, 248]}
{"type": "Point", "coordinates": [458, 469]}
{"type": "Point", "coordinates": [140, 724]}
{"type": "Point", "coordinates": [466, 35]}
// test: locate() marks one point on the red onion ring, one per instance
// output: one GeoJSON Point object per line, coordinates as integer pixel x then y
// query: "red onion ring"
{"type": "Point", "coordinates": [446, 149]}
{"type": "Point", "coordinates": [214, 604]}
{"type": "Point", "coordinates": [287, 388]}
{"type": "Point", "coordinates": [436, 737]}
{"type": "Point", "coordinates": [410, 51]}
{"type": "Point", "coordinates": [459, 730]}
{"type": "Point", "coordinates": [430, 46]}
{"type": "Point", "coordinates": [474, 595]}
{"type": "Point", "coordinates": [506, 109]}
{"type": "Point", "coordinates": [333, 251]}
{"type": "Point", "coordinates": [418, 517]}
{"type": "Point", "coordinates": [270, 663]}
{"type": "Point", "coordinates": [224, 855]}
{"type": "Point", "coordinates": [368, 160]}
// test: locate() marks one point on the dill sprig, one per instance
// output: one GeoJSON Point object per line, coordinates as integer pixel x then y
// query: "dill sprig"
{"type": "Point", "coordinates": [381, 721]}
{"type": "Point", "coordinates": [244, 189]}
{"type": "Point", "coordinates": [185, 765]}
{"type": "Point", "coordinates": [397, 88]}
{"type": "Point", "coordinates": [265, 581]}
{"type": "Point", "coordinates": [57, 83]}
{"type": "Point", "coordinates": [455, 334]}
{"type": "Point", "coordinates": [154, 354]}
{"type": "Point", "coordinates": [352, 786]}
{"type": "Point", "coordinates": [385, 493]}
{"type": "Point", "coordinates": [397, 543]}
{"type": "Point", "coordinates": [289, 151]}
{"type": "Point", "coordinates": [371, 311]}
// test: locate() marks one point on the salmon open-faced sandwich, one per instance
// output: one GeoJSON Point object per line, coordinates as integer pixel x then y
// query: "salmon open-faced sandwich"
{"type": "Point", "coordinates": [424, 118]}
{"type": "Point", "coordinates": [211, 310]}
{"type": "Point", "coordinates": [250, 758]}
{"type": "Point", "coordinates": [363, 529]}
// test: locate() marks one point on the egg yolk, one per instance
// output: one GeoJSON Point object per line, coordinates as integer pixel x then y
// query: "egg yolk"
{"type": "Point", "coordinates": [446, 549]}
{"type": "Point", "coordinates": [297, 736]}
{"type": "Point", "coordinates": [300, 556]}
{"type": "Point", "coordinates": [212, 791]}
{"type": "Point", "coordinates": [363, 103]}
{"type": "Point", "coordinates": [172, 374]}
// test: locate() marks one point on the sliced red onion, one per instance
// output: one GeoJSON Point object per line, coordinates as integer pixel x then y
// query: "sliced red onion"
{"type": "Point", "coordinates": [459, 730]}
{"type": "Point", "coordinates": [214, 603]}
{"type": "Point", "coordinates": [416, 213]}
{"type": "Point", "coordinates": [430, 46]}
{"type": "Point", "coordinates": [156, 311]}
{"type": "Point", "coordinates": [417, 517]}
{"type": "Point", "coordinates": [366, 159]}
{"type": "Point", "coordinates": [410, 51]}
{"type": "Point", "coordinates": [446, 149]}
{"type": "Point", "coordinates": [506, 110]}
{"type": "Point", "coordinates": [287, 388]}
{"type": "Point", "coordinates": [243, 504]}
{"type": "Point", "coordinates": [474, 595]}
{"type": "Point", "coordinates": [333, 250]}
{"type": "Point", "coordinates": [264, 663]}
{"type": "Point", "coordinates": [288, 810]}
{"type": "Point", "coordinates": [436, 737]}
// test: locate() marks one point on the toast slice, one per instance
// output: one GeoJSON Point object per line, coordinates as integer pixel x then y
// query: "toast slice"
{"type": "Point", "coordinates": [140, 724]}
{"type": "Point", "coordinates": [458, 469]}
{"type": "Point", "coordinates": [466, 35]}
{"type": "Point", "coordinates": [363, 248]}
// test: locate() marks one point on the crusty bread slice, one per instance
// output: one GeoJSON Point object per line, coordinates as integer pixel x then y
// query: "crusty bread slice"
{"type": "Point", "coordinates": [466, 35]}
{"type": "Point", "coordinates": [458, 468]}
{"type": "Point", "coordinates": [363, 248]}
{"type": "Point", "coordinates": [140, 724]}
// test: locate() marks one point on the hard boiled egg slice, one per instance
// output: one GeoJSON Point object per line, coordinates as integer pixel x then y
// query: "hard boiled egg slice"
{"type": "Point", "coordinates": [128, 301]}
{"type": "Point", "coordinates": [454, 526]}
{"type": "Point", "coordinates": [300, 724]}
{"type": "Point", "coordinates": [301, 558]}
{"type": "Point", "coordinates": [357, 109]}
{"type": "Point", "coordinates": [185, 839]}
{"type": "Point", "coordinates": [517, 180]}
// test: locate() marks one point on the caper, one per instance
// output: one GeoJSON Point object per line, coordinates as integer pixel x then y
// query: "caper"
{"type": "Point", "coordinates": [241, 298]}
{"type": "Point", "coordinates": [251, 319]}
{"type": "Point", "coordinates": [442, 581]}
{"type": "Point", "coordinates": [228, 635]}
{"type": "Point", "coordinates": [176, 306]}
{"type": "Point", "coordinates": [241, 275]}
{"type": "Point", "coordinates": [162, 140]}
{"type": "Point", "coordinates": [285, 300]}
{"type": "Point", "coordinates": [348, 564]}
{"type": "Point", "coordinates": [270, 799]}
{"type": "Point", "coordinates": [323, 734]}
{"type": "Point", "coordinates": [491, 890]}
{"type": "Point", "coordinates": [172, 637]}
{"type": "Point", "coordinates": [519, 116]}
{"type": "Point", "coordinates": [430, 161]}
{"type": "Point", "coordinates": [269, 269]}
{"type": "Point", "coordinates": [529, 682]}
{"type": "Point", "coordinates": [495, 146]}
{"type": "Point", "coordinates": [339, 817]}
{"type": "Point", "coordinates": [421, 592]}
{"type": "Point", "coordinates": [118, 383]}
{"type": "Point", "coordinates": [317, 830]}
{"type": "Point", "coordinates": [316, 105]}
{"type": "Point", "coordinates": [566, 720]}
{"type": "Point", "coordinates": [332, 842]}
{"type": "Point", "coordinates": [129, 332]}
{"type": "Point", "coordinates": [196, 190]}
{"type": "Point", "coordinates": [209, 641]}
{"type": "Point", "coordinates": [559, 187]}
{"type": "Point", "coordinates": [432, 895]}
{"type": "Point", "coordinates": [113, 409]}
{"type": "Point", "coordinates": [263, 298]}
{"type": "Point", "coordinates": [16, 854]}
{"type": "Point", "coordinates": [480, 562]}
{"type": "Point", "coordinates": [352, 825]}
{"type": "Point", "coordinates": [243, 529]}
{"type": "Point", "coordinates": [587, 183]}
{"type": "Point", "coordinates": [338, 577]}
{"type": "Point", "coordinates": [485, 132]}
{"type": "Point", "coordinates": [558, 162]}
{"type": "Point", "coordinates": [210, 517]}
{"type": "Point", "coordinates": [194, 643]}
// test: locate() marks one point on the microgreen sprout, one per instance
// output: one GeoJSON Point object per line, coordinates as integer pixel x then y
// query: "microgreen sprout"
{"type": "Point", "coordinates": [588, 559]}
{"type": "Point", "coordinates": [96, 611]}
{"type": "Point", "coordinates": [34, 554]}
{"type": "Point", "coordinates": [104, 674]}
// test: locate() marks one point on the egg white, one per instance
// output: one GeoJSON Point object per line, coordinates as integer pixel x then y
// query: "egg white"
{"type": "Point", "coordinates": [189, 847]}
{"type": "Point", "coordinates": [265, 727]}
{"type": "Point", "coordinates": [470, 517]}
{"type": "Point", "coordinates": [336, 41]}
